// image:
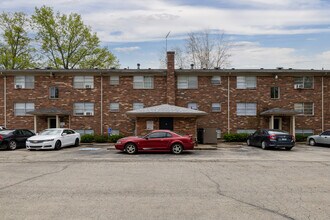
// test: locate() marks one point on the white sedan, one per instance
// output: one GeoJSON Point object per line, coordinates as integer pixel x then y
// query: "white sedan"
{"type": "Point", "coordinates": [54, 138]}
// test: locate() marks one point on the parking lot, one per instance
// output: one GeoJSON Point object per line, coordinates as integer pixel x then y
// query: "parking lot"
{"type": "Point", "coordinates": [232, 182]}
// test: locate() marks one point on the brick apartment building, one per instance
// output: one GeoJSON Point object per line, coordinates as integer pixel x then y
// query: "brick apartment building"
{"type": "Point", "coordinates": [135, 101]}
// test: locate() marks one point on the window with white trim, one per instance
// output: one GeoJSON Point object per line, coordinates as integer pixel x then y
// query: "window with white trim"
{"type": "Point", "coordinates": [83, 82]}
{"type": "Point", "coordinates": [245, 131]}
{"type": "Point", "coordinates": [114, 132]}
{"type": "Point", "coordinates": [114, 80]}
{"type": "Point", "coordinates": [20, 109]}
{"type": "Point", "coordinates": [83, 109]}
{"type": "Point", "coordinates": [246, 82]}
{"type": "Point", "coordinates": [304, 82]}
{"type": "Point", "coordinates": [216, 107]}
{"type": "Point", "coordinates": [137, 105]}
{"type": "Point", "coordinates": [143, 82]}
{"type": "Point", "coordinates": [218, 131]}
{"type": "Point", "coordinates": [24, 82]}
{"type": "Point", "coordinates": [216, 80]}
{"type": "Point", "coordinates": [53, 92]}
{"type": "Point", "coordinates": [304, 108]}
{"type": "Point", "coordinates": [187, 82]}
{"type": "Point", "coordinates": [150, 125]}
{"type": "Point", "coordinates": [274, 92]}
{"type": "Point", "coordinates": [114, 107]}
{"type": "Point", "coordinates": [305, 132]}
{"type": "Point", "coordinates": [85, 131]}
{"type": "Point", "coordinates": [192, 105]}
{"type": "Point", "coordinates": [247, 109]}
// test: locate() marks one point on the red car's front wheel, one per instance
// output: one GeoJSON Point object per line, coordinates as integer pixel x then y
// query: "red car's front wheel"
{"type": "Point", "coordinates": [130, 148]}
{"type": "Point", "coordinates": [177, 148]}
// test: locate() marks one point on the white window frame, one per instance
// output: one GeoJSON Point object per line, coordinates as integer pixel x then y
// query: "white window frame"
{"type": "Point", "coordinates": [216, 80]}
{"type": "Point", "coordinates": [245, 131]}
{"type": "Point", "coordinates": [301, 107]}
{"type": "Point", "coordinates": [24, 82]}
{"type": "Point", "coordinates": [85, 131]}
{"type": "Point", "coordinates": [306, 132]}
{"type": "Point", "coordinates": [52, 92]}
{"type": "Point", "coordinates": [143, 82]}
{"type": "Point", "coordinates": [20, 109]}
{"type": "Point", "coordinates": [218, 131]}
{"type": "Point", "coordinates": [216, 107]}
{"type": "Point", "coordinates": [83, 109]}
{"type": "Point", "coordinates": [115, 132]}
{"type": "Point", "coordinates": [271, 91]}
{"type": "Point", "coordinates": [246, 109]}
{"type": "Point", "coordinates": [187, 82]}
{"type": "Point", "coordinates": [149, 125]}
{"type": "Point", "coordinates": [192, 105]}
{"type": "Point", "coordinates": [246, 82]}
{"type": "Point", "coordinates": [114, 80]}
{"type": "Point", "coordinates": [300, 82]}
{"type": "Point", "coordinates": [138, 105]}
{"type": "Point", "coordinates": [83, 82]}
{"type": "Point", "coordinates": [114, 107]}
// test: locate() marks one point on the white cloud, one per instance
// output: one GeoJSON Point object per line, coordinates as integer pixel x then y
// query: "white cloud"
{"type": "Point", "coordinates": [126, 49]}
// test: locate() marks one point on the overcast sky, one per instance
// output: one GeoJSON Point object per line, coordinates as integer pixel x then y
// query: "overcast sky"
{"type": "Point", "coordinates": [265, 33]}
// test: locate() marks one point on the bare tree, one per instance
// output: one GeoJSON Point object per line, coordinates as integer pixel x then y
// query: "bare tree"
{"type": "Point", "coordinates": [206, 50]}
{"type": "Point", "coordinates": [203, 49]}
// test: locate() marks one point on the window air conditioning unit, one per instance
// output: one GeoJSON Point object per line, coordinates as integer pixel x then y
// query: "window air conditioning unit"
{"type": "Point", "coordinates": [89, 113]}
{"type": "Point", "coordinates": [18, 86]}
{"type": "Point", "coordinates": [88, 86]}
{"type": "Point", "coordinates": [299, 86]}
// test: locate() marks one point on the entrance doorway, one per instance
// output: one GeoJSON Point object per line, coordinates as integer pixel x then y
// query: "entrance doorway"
{"type": "Point", "coordinates": [278, 123]}
{"type": "Point", "coordinates": [166, 123]}
{"type": "Point", "coordinates": [51, 122]}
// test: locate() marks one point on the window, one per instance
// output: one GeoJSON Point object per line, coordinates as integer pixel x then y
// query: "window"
{"type": "Point", "coordinates": [216, 80]}
{"type": "Point", "coordinates": [192, 105]}
{"type": "Point", "coordinates": [187, 82]}
{"type": "Point", "coordinates": [247, 109]}
{"type": "Point", "coordinates": [304, 82]}
{"type": "Point", "coordinates": [85, 131]}
{"type": "Point", "coordinates": [274, 92]}
{"type": "Point", "coordinates": [306, 108]}
{"type": "Point", "coordinates": [114, 107]}
{"type": "Point", "coordinates": [245, 131]}
{"type": "Point", "coordinates": [246, 82]}
{"type": "Point", "coordinates": [24, 82]}
{"type": "Point", "coordinates": [137, 105]}
{"type": "Point", "coordinates": [150, 125]}
{"type": "Point", "coordinates": [305, 132]}
{"type": "Point", "coordinates": [143, 82]}
{"type": "Point", "coordinates": [53, 93]}
{"type": "Point", "coordinates": [85, 108]}
{"type": "Point", "coordinates": [83, 82]}
{"type": "Point", "coordinates": [20, 109]}
{"type": "Point", "coordinates": [218, 131]}
{"type": "Point", "coordinates": [158, 135]}
{"type": "Point", "coordinates": [115, 132]}
{"type": "Point", "coordinates": [114, 80]}
{"type": "Point", "coordinates": [216, 107]}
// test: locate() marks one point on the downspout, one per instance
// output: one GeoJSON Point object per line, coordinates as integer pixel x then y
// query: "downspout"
{"type": "Point", "coordinates": [101, 104]}
{"type": "Point", "coordinates": [4, 99]}
{"type": "Point", "coordinates": [228, 103]}
{"type": "Point", "coordinates": [322, 105]}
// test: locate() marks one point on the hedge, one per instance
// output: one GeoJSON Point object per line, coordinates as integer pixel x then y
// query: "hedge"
{"type": "Point", "coordinates": [235, 137]}
{"type": "Point", "coordinates": [301, 138]}
{"type": "Point", "coordinates": [89, 138]}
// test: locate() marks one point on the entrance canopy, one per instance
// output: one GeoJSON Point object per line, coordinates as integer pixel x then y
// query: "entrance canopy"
{"type": "Point", "coordinates": [279, 112]}
{"type": "Point", "coordinates": [49, 112]}
{"type": "Point", "coordinates": [165, 110]}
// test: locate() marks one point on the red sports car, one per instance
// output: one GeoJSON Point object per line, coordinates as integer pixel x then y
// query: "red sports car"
{"type": "Point", "coordinates": [156, 141]}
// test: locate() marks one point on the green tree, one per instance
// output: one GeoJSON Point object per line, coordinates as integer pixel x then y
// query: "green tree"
{"type": "Point", "coordinates": [68, 43]}
{"type": "Point", "coordinates": [16, 51]}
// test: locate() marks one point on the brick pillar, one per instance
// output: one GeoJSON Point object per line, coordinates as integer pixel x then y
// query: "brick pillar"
{"type": "Point", "coordinates": [170, 79]}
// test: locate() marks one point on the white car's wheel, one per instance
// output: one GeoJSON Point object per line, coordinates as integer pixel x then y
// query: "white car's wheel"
{"type": "Point", "coordinates": [58, 145]}
{"type": "Point", "coordinates": [248, 142]}
{"type": "Point", "coordinates": [312, 142]}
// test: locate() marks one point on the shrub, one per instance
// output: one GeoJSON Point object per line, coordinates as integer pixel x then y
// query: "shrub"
{"type": "Point", "coordinates": [235, 137]}
{"type": "Point", "coordinates": [101, 138]}
{"type": "Point", "coordinates": [87, 138]}
{"type": "Point", "coordinates": [301, 137]}
{"type": "Point", "coordinates": [114, 138]}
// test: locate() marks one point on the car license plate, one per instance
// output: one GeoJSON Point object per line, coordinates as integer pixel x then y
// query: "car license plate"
{"type": "Point", "coordinates": [284, 139]}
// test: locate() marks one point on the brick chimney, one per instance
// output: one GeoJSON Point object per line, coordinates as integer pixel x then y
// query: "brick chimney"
{"type": "Point", "coordinates": [170, 79]}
